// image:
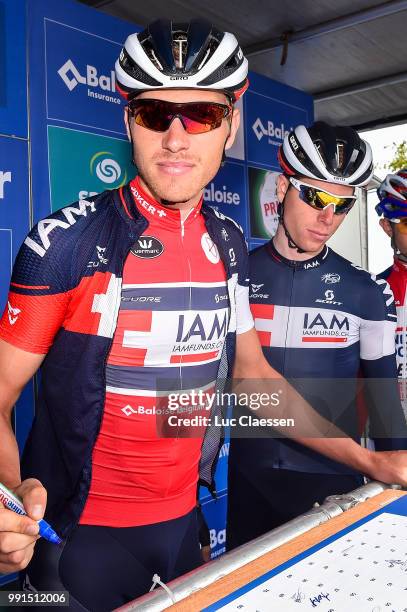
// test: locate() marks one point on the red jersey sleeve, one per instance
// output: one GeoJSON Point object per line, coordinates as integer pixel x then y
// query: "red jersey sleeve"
{"type": "Point", "coordinates": [39, 294]}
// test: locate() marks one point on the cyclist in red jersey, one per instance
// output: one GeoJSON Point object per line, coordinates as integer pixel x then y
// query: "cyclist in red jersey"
{"type": "Point", "coordinates": [393, 210]}
{"type": "Point", "coordinates": [110, 296]}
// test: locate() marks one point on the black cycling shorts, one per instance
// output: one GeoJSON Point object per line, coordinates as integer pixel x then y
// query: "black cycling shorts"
{"type": "Point", "coordinates": [106, 567]}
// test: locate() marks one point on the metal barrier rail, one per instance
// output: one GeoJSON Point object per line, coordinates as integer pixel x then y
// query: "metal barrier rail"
{"type": "Point", "coordinates": [185, 585]}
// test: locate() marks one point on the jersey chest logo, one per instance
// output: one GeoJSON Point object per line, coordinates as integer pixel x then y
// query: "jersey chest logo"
{"type": "Point", "coordinates": [147, 247]}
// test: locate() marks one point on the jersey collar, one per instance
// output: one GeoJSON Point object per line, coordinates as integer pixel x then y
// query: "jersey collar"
{"type": "Point", "coordinates": [399, 266]}
{"type": "Point", "coordinates": [307, 264]}
{"type": "Point", "coordinates": [157, 213]}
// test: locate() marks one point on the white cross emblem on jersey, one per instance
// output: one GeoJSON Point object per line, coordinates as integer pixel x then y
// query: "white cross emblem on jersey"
{"type": "Point", "coordinates": [107, 304]}
{"type": "Point", "coordinates": [158, 341]}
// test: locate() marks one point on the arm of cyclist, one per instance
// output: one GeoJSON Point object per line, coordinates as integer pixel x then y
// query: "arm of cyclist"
{"type": "Point", "coordinates": [18, 534]}
{"type": "Point", "coordinates": [252, 373]}
{"type": "Point", "coordinates": [379, 368]}
{"type": "Point", "coordinates": [34, 312]}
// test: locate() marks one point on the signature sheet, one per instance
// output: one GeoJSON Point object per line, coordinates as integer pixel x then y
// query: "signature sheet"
{"type": "Point", "coordinates": [363, 570]}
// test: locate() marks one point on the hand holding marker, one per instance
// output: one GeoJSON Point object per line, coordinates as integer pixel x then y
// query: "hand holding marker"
{"type": "Point", "coordinates": [12, 502]}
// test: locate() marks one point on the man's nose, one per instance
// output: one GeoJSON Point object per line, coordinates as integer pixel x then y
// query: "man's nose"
{"type": "Point", "coordinates": [327, 214]}
{"type": "Point", "coordinates": [176, 138]}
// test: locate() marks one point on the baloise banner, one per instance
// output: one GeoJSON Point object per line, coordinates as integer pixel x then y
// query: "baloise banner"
{"type": "Point", "coordinates": [227, 193]}
{"type": "Point", "coordinates": [271, 111]}
{"type": "Point", "coordinates": [81, 79]}
{"type": "Point", "coordinates": [215, 509]}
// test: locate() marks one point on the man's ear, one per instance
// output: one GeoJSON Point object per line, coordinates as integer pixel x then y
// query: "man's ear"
{"type": "Point", "coordinates": [386, 226]}
{"type": "Point", "coordinates": [127, 122]}
{"type": "Point", "coordinates": [234, 126]}
{"type": "Point", "coordinates": [282, 186]}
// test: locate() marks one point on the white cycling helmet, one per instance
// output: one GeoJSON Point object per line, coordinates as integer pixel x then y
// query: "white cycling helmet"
{"type": "Point", "coordinates": [192, 55]}
{"type": "Point", "coordinates": [335, 154]}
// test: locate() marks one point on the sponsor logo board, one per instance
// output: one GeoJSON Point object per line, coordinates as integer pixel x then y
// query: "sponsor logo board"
{"type": "Point", "coordinates": [263, 203]}
{"type": "Point", "coordinates": [268, 121]}
{"type": "Point", "coordinates": [80, 78]}
{"type": "Point", "coordinates": [83, 164]}
{"type": "Point", "coordinates": [226, 193]}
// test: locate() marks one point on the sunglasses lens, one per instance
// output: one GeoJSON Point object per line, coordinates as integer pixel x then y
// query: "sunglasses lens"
{"type": "Point", "coordinates": [202, 117]}
{"type": "Point", "coordinates": [342, 205]}
{"type": "Point", "coordinates": [196, 117]}
{"type": "Point", "coordinates": [321, 199]}
{"type": "Point", "coordinates": [402, 225]}
{"type": "Point", "coordinates": [151, 115]}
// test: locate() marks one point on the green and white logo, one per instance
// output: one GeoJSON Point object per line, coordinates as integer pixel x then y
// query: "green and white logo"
{"type": "Point", "coordinates": [263, 203]}
{"type": "Point", "coordinates": [106, 168]}
{"type": "Point", "coordinates": [83, 164]}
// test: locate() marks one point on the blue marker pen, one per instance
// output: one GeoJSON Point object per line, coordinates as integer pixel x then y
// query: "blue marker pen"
{"type": "Point", "coordinates": [12, 502]}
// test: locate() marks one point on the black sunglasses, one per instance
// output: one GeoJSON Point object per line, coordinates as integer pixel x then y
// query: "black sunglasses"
{"type": "Point", "coordinates": [196, 117]}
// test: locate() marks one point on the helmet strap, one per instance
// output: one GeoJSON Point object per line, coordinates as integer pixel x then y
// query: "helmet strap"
{"type": "Point", "coordinates": [290, 241]}
{"type": "Point", "coordinates": [132, 145]}
{"type": "Point", "coordinates": [223, 160]}
{"type": "Point", "coordinates": [398, 254]}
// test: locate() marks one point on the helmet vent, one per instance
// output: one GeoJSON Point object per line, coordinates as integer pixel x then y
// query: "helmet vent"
{"type": "Point", "coordinates": [212, 46]}
{"type": "Point", "coordinates": [179, 49]}
{"type": "Point", "coordinates": [227, 68]}
{"type": "Point", "coordinates": [318, 148]}
{"type": "Point", "coordinates": [152, 55]}
{"type": "Point", "coordinates": [340, 157]}
{"type": "Point", "coordinates": [135, 71]}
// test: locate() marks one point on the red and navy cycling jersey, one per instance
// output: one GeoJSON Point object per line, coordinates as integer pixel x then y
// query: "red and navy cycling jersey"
{"type": "Point", "coordinates": [171, 327]}
{"type": "Point", "coordinates": [168, 329]}
{"type": "Point", "coordinates": [322, 323]}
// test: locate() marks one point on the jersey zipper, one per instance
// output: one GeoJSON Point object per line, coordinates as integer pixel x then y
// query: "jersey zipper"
{"type": "Point", "coordinates": [187, 307]}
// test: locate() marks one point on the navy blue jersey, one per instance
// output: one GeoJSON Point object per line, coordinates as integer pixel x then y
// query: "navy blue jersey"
{"type": "Point", "coordinates": [328, 327]}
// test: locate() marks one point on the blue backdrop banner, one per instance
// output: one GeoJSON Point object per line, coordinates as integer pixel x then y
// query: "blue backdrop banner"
{"type": "Point", "coordinates": [13, 67]}
{"type": "Point", "coordinates": [14, 225]}
{"type": "Point", "coordinates": [227, 192]}
{"type": "Point", "coordinates": [80, 78]}
{"type": "Point", "coordinates": [14, 205]}
{"type": "Point", "coordinates": [72, 49]}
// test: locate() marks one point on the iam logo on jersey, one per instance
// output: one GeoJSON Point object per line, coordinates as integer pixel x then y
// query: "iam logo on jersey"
{"type": "Point", "coordinates": [325, 327]}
